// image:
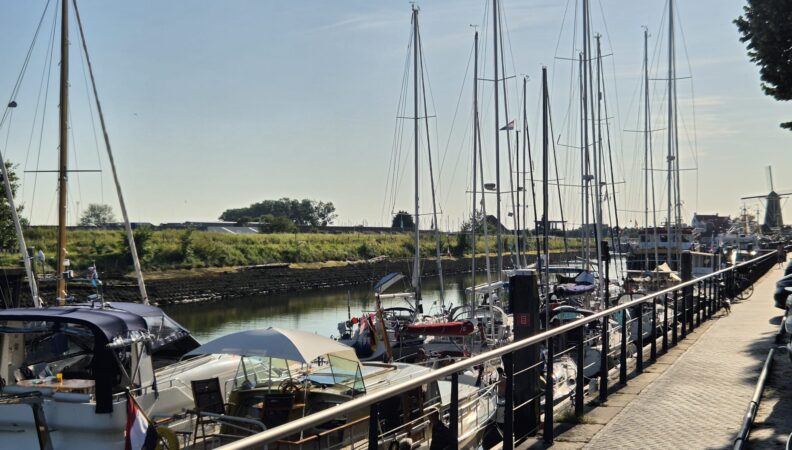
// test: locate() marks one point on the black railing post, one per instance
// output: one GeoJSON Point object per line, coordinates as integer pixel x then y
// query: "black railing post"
{"type": "Point", "coordinates": [713, 281]}
{"type": "Point", "coordinates": [674, 337]}
{"type": "Point", "coordinates": [508, 412]}
{"type": "Point", "coordinates": [699, 302]}
{"type": "Point", "coordinates": [373, 433]}
{"type": "Point", "coordinates": [603, 394]}
{"type": "Point", "coordinates": [653, 344]}
{"type": "Point", "coordinates": [581, 362]}
{"type": "Point", "coordinates": [623, 350]}
{"type": "Point", "coordinates": [687, 292]}
{"type": "Point", "coordinates": [454, 410]}
{"type": "Point", "coordinates": [665, 323]}
{"type": "Point", "coordinates": [639, 362]}
{"type": "Point", "coordinates": [548, 412]}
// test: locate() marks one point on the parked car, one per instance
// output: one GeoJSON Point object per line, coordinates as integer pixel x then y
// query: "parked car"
{"type": "Point", "coordinates": [781, 294]}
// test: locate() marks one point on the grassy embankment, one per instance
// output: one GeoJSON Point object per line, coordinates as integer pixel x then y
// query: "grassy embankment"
{"type": "Point", "coordinates": [188, 249]}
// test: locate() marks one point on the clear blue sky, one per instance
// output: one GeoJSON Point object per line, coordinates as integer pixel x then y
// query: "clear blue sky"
{"type": "Point", "coordinates": [218, 104]}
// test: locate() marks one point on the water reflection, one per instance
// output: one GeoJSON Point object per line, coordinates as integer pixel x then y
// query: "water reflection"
{"type": "Point", "coordinates": [317, 311]}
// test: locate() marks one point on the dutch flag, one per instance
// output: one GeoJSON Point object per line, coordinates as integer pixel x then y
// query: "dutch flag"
{"type": "Point", "coordinates": [141, 434]}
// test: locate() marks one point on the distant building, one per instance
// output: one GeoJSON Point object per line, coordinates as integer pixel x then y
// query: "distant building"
{"type": "Point", "coordinates": [710, 225]}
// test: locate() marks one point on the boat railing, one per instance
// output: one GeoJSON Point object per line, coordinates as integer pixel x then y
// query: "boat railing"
{"type": "Point", "coordinates": [684, 306]}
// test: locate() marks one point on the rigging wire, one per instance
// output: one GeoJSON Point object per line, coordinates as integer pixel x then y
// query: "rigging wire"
{"type": "Point", "coordinates": [48, 66]}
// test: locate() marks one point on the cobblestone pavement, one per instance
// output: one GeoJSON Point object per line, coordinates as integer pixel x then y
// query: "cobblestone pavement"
{"type": "Point", "coordinates": [699, 401]}
{"type": "Point", "coordinates": [773, 422]}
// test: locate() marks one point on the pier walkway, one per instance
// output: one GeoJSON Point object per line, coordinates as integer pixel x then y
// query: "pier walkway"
{"type": "Point", "coordinates": [699, 400]}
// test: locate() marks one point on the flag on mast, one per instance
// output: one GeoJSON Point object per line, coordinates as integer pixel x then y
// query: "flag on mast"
{"type": "Point", "coordinates": [509, 126]}
{"type": "Point", "coordinates": [141, 434]}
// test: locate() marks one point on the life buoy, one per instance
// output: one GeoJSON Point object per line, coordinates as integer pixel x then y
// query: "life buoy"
{"type": "Point", "coordinates": [166, 439]}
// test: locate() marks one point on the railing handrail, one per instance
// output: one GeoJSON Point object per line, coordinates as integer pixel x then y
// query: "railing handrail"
{"type": "Point", "coordinates": [369, 399]}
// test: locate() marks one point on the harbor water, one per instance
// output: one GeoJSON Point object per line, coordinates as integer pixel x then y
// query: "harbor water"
{"type": "Point", "coordinates": [317, 311]}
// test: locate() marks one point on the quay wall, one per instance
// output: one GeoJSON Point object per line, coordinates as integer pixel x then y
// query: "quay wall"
{"type": "Point", "coordinates": [259, 280]}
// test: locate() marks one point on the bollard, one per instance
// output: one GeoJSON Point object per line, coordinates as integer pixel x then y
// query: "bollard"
{"type": "Point", "coordinates": [603, 385]}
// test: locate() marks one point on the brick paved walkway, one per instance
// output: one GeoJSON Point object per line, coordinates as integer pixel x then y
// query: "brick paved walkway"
{"type": "Point", "coordinates": [699, 401]}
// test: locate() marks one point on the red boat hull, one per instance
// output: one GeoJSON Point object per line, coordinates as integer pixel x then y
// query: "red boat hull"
{"type": "Point", "coordinates": [456, 328]}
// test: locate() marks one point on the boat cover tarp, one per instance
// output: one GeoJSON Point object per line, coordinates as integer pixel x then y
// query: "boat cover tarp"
{"type": "Point", "coordinates": [107, 323]}
{"type": "Point", "coordinates": [280, 343]}
{"type": "Point", "coordinates": [567, 289]}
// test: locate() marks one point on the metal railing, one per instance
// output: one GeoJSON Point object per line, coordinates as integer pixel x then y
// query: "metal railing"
{"type": "Point", "coordinates": [690, 302]}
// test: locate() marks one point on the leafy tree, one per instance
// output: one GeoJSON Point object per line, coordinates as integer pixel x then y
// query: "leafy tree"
{"type": "Point", "coordinates": [403, 220]}
{"type": "Point", "coordinates": [766, 27]}
{"type": "Point", "coordinates": [277, 224]}
{"type": "Point", "coordinates": [8, 237]}
{"type": "Point", "coordinates": [467, 225]}
{"type": "Point", "coordinates": [299, 212]}
{"type": "Point", "coordinates": [142, 235]}
{"type": "Point", "coordinates": [97, 215]}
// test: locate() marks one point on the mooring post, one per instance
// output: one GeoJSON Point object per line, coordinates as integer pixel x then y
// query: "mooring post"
{"type": "Point", "coordinates": [524, 300]}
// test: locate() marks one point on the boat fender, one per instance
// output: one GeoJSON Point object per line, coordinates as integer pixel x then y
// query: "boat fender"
{"type": "Point", "coordinates": [167, 437]}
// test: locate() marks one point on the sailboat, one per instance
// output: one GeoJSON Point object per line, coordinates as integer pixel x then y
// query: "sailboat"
{"type": "Point", "coordinates": [661, 245]}
{"type": "Point", "coordinates": [71, 369]}
{"type": "Point", "coordinates": [398, 333]}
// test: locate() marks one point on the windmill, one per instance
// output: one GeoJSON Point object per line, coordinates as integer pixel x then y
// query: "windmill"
{"type": "Point", "coordinates": [773, 218]}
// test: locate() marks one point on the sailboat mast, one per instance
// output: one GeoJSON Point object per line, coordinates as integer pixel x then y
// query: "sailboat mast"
{"type": "Point", "coordinates": [121, 202]}
{"type": "Point", "coordinates": [678, 198]}
{"type": "Point", "coordinates": [545, 192]}
{"type": "Point", "coordinates": [671, 154]}
{"type": "Point", "coordinates": [497, 139]}
{"type": "Point", "coordinates": [475, 168]}
{"type": "Point", "coordinates": [646, 144]}
{"type": "Point", "coordinates": [416, 280]}
{"type": "Point", "coordinates": [63, 148]}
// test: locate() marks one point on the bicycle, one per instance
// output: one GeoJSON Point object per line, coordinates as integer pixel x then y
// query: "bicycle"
{"type": "Point", "coordinates": [745, 287]}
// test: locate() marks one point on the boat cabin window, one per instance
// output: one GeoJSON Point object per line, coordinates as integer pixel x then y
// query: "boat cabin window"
{"type": "Point", "coordinates": [51, 348]}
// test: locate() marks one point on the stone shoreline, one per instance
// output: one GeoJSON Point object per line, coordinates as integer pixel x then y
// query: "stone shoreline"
{"type": "Point", "coordinates": [259, 280]}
